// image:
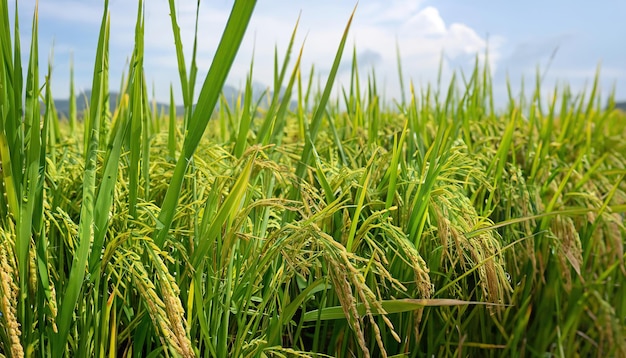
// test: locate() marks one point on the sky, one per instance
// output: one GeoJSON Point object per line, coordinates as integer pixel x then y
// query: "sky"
{"type": "Point", "coordinates": [566, 40]}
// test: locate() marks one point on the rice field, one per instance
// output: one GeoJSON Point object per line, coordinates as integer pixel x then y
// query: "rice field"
{"type": "Point", "coordinates": [341, 226]}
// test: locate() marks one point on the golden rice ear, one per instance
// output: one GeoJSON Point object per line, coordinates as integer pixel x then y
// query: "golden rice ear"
{"type": "Point", "coordinates": [170, 292]}
{"type": "Point", "coordinates": [570, 253]}
{"type": "Point", "coordinates": [9, 292]}
{"type": "Point", "coordinates": [144, 284]}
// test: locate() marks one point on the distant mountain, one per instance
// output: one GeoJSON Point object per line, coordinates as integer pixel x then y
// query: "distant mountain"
{"type": "Point", "coordinates": [230, 93]}
{"type": "Point", "coordinates": [82, 102]}
{"type": "Point", "coordinates": [621, 105]}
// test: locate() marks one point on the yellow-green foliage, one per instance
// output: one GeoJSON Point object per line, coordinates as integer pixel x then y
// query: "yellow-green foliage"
{"type": "Point", "coordinates": [436, 227]}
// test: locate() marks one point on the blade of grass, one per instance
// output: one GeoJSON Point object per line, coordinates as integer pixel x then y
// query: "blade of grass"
{"type": "Point", "coordinates": [246, 117]}
{"type": "Point", "coordinates": [226, 210]}
{"type": "Point", "coordinates": [389, 306]}
{"type": "Point", "coordinates": [9, 100]}
{"type": "Point", "coordinates": [31, 179]}
{"type": "Point", "coordinates": [263, 135]}
{"type": "Point", "coordinates": [400, 75]}
{"type": "Point", "coordinates": [74, 285]}
{"type": "Point", "coordinates": [137, 115]}
{"type": "Point", "coordinates": [285, 104]}
{"type": "Point", "coordinates": [360, 196]}
{"type": "Point", "coordinates": [72, 110]}
{"type": "Point", "coordinates": [392, 172]}
{"type": "Point", "coordinates": [41, 242]}
{"type": "Point", "coordinates": [171, 131]}
{"type": "Point", "coordinates": [12, 136]}
{"type": "Point", "coordinates": [214, 82]}
{"type": "Point", "coordinates": [318, 115]}
{"type": "Point", "coordinates": [105, 196]}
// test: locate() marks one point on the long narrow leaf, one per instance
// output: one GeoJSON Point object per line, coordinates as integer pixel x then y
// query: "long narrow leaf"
{"type": "Point", "coordinates": [389, 306]}
{"type": "Point", "coordinates": [224, 57]}
{"type": "Point", "coordinates": [86, 226]}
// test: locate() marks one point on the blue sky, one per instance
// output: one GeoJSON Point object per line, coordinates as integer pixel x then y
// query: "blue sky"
{"type": "Point", "coordinates": [520, 36]}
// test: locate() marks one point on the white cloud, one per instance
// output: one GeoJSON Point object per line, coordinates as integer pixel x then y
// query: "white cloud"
{"type": "Point", "coordinates": [423, 37]}
{"type": "Point", "coordinates": [391, 11]}
{"type": "Point", "coordinates": [426, 22]}
{"type": "Point", "coordinates": [420, 31]}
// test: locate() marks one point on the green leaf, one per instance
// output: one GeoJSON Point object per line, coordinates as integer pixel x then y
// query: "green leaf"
{"type": "Point", "coordinates": [74, 286]}
{"type": "Point", "coordinates": [389, 307]}
{"type": "Point", "coordinates": [211, 89]}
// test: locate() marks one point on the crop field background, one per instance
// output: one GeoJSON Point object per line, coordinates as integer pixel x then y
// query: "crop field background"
{"type": "Point", "coordinates": [305, 224]}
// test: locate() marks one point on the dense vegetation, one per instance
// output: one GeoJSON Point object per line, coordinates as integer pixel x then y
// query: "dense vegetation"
{"type": "Point", "coordinates": [435, 225]}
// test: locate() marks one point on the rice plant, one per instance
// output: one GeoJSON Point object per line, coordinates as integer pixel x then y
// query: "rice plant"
{"type": "Point", "coordinates": [347, 226]}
